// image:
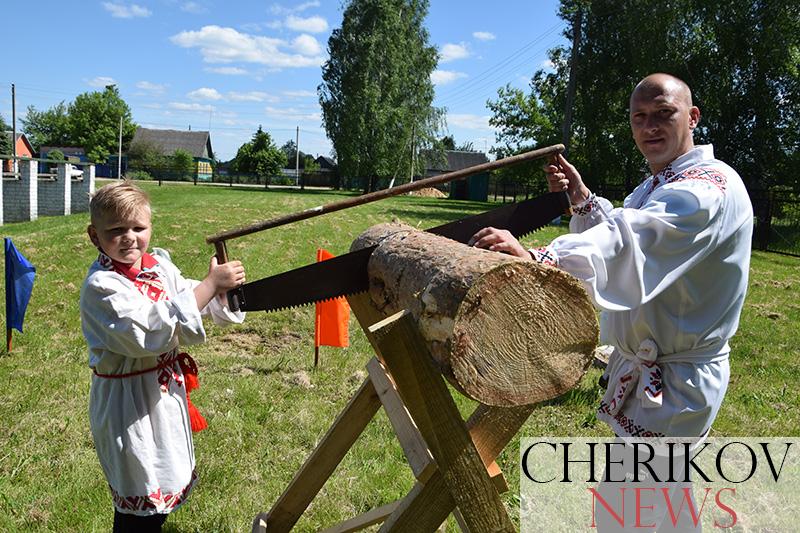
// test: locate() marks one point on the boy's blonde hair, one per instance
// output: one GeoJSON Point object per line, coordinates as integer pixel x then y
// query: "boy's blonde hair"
{"type": "Point", "coordinates": [122, 199]}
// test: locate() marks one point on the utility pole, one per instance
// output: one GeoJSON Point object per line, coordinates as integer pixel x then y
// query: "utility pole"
{"type": "Point", "coordinates": [297, 158]}
{"type": "Point", "coordinates": [573, 60]}
{"type": "Point", "coordinates": [119, 152]}
{"type": "Point", "coordinates": [13, 128]}
{"type": "Point", "coordinates": [413, 141]}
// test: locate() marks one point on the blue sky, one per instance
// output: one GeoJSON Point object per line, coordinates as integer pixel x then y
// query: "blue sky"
{"type": "Point", "coordinates": [229, 66]}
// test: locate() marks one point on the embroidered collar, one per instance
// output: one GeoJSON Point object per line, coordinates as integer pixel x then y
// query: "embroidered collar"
{"type": "Point", "coordinates": [148, 262]}
{"type": "Point", "coordinates": [698, 154]}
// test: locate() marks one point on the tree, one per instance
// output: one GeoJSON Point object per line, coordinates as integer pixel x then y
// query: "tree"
{"type": "Point", "coordinates": [260, 156]}
{"type": "Point", "coordinates": [5, 139]}
{"type": "Point", "coordinates": [748, 89]}
{"type": "Point", "coordinates": [47, 128]}
{"type": "Point", "coordinates": [145, 156]}
{"type": "Point", "coordinates": [182, 163]}
{"type": "Point", "coordinates": [94, 119]}
{"type": "Point", "coordinates": [376, 91]}
{"type": "Point", "coordinates": [91, 122]}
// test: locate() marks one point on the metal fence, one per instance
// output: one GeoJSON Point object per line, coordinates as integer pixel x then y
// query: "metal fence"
{"type": "Point", "coordinates": [777, 221]}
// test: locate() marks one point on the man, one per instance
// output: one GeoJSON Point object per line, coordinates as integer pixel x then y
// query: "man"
{"type": "Point", "coordinates": [668, 270]}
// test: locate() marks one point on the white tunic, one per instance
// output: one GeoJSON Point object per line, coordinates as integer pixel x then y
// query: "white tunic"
{"type": "Point", "coordinates": [134, 321]}
{"type": "Point", "coordinates": [669, 272]}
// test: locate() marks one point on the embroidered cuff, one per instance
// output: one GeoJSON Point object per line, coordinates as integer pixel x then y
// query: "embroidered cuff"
{"type": "Point", "coordinates": [545, 255]}
{"type": "Point", "coordinates": [586, 206]}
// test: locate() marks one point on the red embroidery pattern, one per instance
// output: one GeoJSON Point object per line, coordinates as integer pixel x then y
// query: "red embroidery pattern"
{"type": "Point", "coordinates": [158, 501]}
{"type": "Point", "coordinates": [587, 207]}
{"type": "Point", "coordinates": [544, 255]}
{"type": "Point", "coordinates": [628, 424]}
{"type": "Point", "coordinates": [655, 380]}
{"type": "Point", "coordinates": [707, 174]}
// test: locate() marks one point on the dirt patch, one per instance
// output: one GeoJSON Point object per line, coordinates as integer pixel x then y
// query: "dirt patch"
{"type": "Point", "coordinates": [299, 379]}
{"type": "Point", "coordinates": [428, 192]}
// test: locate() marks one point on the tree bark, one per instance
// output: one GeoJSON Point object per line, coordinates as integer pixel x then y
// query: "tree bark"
{"type": "Point", "coordinates": [504, 331]}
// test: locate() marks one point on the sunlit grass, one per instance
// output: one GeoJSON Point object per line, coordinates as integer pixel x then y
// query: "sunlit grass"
{"type": "Point", "coordinates": [266, 405]}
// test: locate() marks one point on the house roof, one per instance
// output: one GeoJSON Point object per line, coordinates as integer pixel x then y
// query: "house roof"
{"type": "Point", "coordinates": [197, 143]}
{"type": "Point", "coordinates": [19, 136]}
{"type": "Point", "coordinates": [327, 160]}
{"type": "Point", "coordinates": [456, 160]}
{"type": "Point", "coordinates": [66, 150]}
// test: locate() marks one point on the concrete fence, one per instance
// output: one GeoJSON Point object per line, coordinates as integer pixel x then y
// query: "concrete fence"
{"type": "Point", "coordinates": [26, 195]}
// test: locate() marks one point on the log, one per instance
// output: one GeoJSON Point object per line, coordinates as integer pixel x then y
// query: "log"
{"type": "Point", "coordinates": [504, 331]}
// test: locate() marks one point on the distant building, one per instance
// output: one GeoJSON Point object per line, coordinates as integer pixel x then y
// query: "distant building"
{"type": "Point", "coordinates": [71, 153]}
{"type": "Point", "coordinates": [197, 143]}
{"type": "Point", "coordinates": [471, 188]}
{"type": "Point", "coordinates": [24, 148]}
{"type": "Point", "coordinates": [325, 163]}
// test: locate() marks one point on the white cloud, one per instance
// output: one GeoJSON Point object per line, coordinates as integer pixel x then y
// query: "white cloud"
{"type": "Point", "coordinates": [229, 71]}
{"type": "Point", "coordinates": [451, 52]}
{"type": "Point", "coordinates": [484, 36]}
{"type": "Point", "coordinates": [154, 88]}
{"type": "Point", "coordinates": [291, 113]}
{"type": "Point", "coordinates": [252, 96]}
{"type": "Point", "coordinates": [314, 24]}
{"type": "Point", "coordinates": [191, 107]}
{"type": "Point", "coordinates": [547, 65]}
{"type": "Point", "coordinates": [204, 93]}
{"type": "Point", "coordinates": [300, 94]}
{"type": "Point", "coordinates": [469, 121]}
{"type": "Point", "coordinates": [443, 77]}
{"type": "Point", "coordinates": [278, 9]}
{"type": "Point", "coordinates": [101, 81]}
{"type": "Point", "coordinates": [224, 45]}
{"type": "Point", "coordinates": [306, 45]}
{"type": "Point", "coordinates": [123, 11]}
{"type": "Point", "coordinates": [194, 7]}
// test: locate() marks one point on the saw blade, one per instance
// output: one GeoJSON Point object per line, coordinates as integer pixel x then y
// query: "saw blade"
{"type": "Point", "coordinates": [346, 274]}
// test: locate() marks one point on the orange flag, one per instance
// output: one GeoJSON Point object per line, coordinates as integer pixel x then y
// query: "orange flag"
{"type": "Point", "coordinates": [332, 318]}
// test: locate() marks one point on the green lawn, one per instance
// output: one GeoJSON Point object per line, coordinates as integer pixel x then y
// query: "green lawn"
{"type": "Point", "coordinates": [266, 405]}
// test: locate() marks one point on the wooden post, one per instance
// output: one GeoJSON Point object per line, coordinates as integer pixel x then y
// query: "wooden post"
{"type": "Point", "coordinates": [430, 404]}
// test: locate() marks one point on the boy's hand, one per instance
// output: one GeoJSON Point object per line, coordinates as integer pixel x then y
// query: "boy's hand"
{"type": "Point", "coordinates": [226, 276]}
{"type": "Point", "coordinates": [562, 176]}
{"type": "Point", "coordinates": [220, 278]}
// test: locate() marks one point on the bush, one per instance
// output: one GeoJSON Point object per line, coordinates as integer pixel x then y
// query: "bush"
{"type": "Point", "coordinates": [138, 175]}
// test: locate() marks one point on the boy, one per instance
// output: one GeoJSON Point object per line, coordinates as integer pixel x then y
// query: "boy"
{"type": "Point", "coordinates": [136, 309]}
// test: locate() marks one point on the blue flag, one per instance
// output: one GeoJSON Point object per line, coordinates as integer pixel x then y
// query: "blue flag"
{"type": "Point", "coordinates": [19, 284]}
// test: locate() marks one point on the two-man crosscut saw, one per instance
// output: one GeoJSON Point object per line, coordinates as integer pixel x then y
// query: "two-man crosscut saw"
{"type": "Point", "coordinates": [347, 274]}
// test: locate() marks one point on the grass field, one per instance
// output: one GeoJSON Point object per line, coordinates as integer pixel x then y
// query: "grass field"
{"type": "Point", "coordinates": [266, 405]}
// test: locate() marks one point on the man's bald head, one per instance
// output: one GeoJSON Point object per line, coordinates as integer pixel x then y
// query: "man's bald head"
{"type": "Point", "coordinates": [660, 83]}
{"type": "Point", "coordinates": [662, 119]}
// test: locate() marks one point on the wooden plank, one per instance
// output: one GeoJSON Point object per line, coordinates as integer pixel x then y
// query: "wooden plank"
{"type": "Point", "coordinates": [426, 506]}
{"type": "Point", "coordinates": [416, 451]}
{"type": "Point", "coordinates": [375, 516]}
{"type": "Point", "coordinates": [498, 478]}
{"type": "Point", "coordinates": [321, 463]}
{"type": "Point", "coordinates": [426, 396]}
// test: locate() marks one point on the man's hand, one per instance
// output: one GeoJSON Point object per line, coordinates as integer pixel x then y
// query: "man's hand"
{"type": "Point", "coordinates": [221, 277]}
{"type": "Point", "coordinates": [562, 176]}
{"type": "Point", "coordinates": [499, 240]}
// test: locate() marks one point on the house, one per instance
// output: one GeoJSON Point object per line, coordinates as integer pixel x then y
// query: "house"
{"type": "Point", "coordinates": [471, 188]}
{"type": "Point", "coordinates": [71, 153]}
{"type": "Point", "coordinates": [24, 148]}
{"type": "Point", "coordinates": [197, 143]}
{"type": "Point", "coordinates": [325, 163]}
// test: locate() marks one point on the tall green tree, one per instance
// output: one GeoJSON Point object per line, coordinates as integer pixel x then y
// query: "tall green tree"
{"type": "Point", "coordinates": [260, 156]}
{"type": "Point", "coordinates": [376, 92]}
{"type": "Point", "coordinates": [5, 139]}
{"type": "Point", "coordinates": [47, 128]}
{"type": "Point", "coordinates": [94, 119]}
{"type": "Point", "coordinates": [740, 59]}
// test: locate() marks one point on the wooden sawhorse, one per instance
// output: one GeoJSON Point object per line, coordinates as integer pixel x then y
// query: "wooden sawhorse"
{"type": "Point", "coordinates": [453, 461]}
